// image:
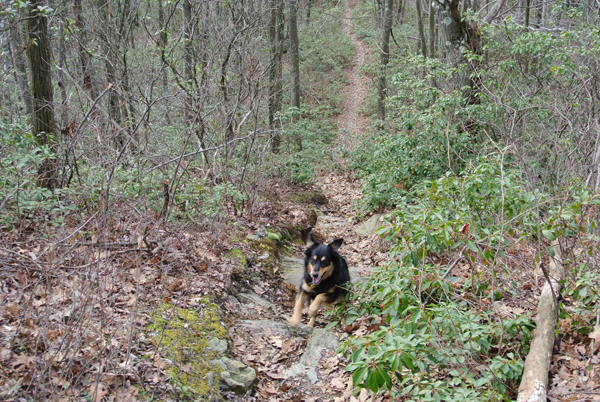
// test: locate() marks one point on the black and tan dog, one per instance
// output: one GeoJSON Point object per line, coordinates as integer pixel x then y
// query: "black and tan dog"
{"type": "Point", "coordinates": [324, 273]}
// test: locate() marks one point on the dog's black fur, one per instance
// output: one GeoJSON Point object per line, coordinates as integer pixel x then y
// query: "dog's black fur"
{"type": "Point", "coordinates": [324, 273]}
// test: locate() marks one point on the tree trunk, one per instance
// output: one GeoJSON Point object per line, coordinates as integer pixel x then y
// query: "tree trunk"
{"type": "Point", "coordinates": [294, 53]}
{"type": "Point", "coordinates": [294, 59]}
{"type": "Point", "coordinates": [110, 50]}
{"type": "Point", "coordinates": [20, 68]}
{"type": "Point", "coordinates": [84, 57]}
{"type": "Point", "coordinates": [43, 120]}
{"type": "Point", "coordinates": [61, 76]}
{"type": "Point", "coordinates": [384, 58]}
{"type": "Point", "coordinates": [431, 30]}
{"type": "Point", "coordinates": [162, 41]}
{"type": "Point", "coordinates": [275, 68]}
{"type": "Point", "coordinates": [458, 33]}
{"type": "Point", "coordinates": [422, 40]}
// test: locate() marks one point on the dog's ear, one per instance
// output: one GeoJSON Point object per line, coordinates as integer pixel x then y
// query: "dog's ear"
{"type": "Point", "coordinates": [310, 240]}
{"type": "Point", "coordinates": [336, 244]}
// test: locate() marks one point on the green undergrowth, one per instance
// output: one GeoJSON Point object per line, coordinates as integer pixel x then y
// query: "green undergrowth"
{"type": "Point", "coordinates": [439, 336]}
{"type": "Point", "coordinates": [183, 337]}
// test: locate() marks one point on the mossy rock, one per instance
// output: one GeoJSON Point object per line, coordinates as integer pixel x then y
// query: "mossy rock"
{"type": "Point", "coordinates": [186, 337]}
{"type": "Point", "coordinates": [310, 197]}
{"type": "Point", "coordinates": [238, 256]}
{"type": "Point", "coordinates": [268, 253]}
{"type": "Point", "coordinates": [292, 234]}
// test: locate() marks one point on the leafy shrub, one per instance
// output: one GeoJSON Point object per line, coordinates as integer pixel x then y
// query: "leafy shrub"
{"type": "Point", "coordinates": [22, 199]}
{"type": "Point", "coordinates": [431, 325]}
{"type": "Point", "coordinates": [424, 137]}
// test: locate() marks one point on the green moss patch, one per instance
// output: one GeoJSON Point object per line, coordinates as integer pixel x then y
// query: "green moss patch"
{"type": "Point", "coordinates": [310, 197]}
{"type": "Point", "coordinates": [238, 256]}
{"type": "Point", "coordinates": [183, 337]}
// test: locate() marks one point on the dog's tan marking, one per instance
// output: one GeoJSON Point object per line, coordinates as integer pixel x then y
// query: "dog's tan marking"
{"type": "Point", "coordinates": [315, 258]}
{"type": "Point", "coordinates": [322, 258]}
{"type": "Point", "coordinates": [307, 288]}
{"type": "Point", "coordinates": [314, 307]}
{"type": "Point", "coordinates": [300, 300]}
{"type": "Point", "coordinates": [325, 272]}
{"type": "Point", "coordinates": [330, 290]}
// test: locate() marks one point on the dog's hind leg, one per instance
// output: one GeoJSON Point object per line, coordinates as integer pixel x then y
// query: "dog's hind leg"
{"type": "Point", "coordinates": [315, 306]}
{"type": "Point", "coordinates": [297, 314]}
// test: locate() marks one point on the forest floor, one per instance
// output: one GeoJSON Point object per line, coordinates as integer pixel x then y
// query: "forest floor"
{"type": "Point", "coordinates": [83, 309]}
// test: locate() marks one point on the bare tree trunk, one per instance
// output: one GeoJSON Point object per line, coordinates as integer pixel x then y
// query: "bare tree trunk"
{"type": "Point", "coordinates": [61, 77]}
{"type": "Point", "coordinates": [384, 59]}
{"type": "Point", "coordinates": [110, 50]}
{"type": "Point", "coordinates": [458, 33]}
{"type": "Point", "coordinates": [527, 7]}
{"type": "Point", "coordinates": [294, 53]}
{"type": "Point", "coordinates": [20, 68]}
{"type": "Point", "coordinates": [295, 58]}
{"type": "Point", "coordinates": [431, 30]}
{"type": "Point", "coordinates": [275, 68]}
{"type": "Point", "coordinates": [162, 41]}
{"type": "Point", "coordinates": [82, 43]}
{"type": "Point", "coordinates": [43, 120]}
{"type": "Point", "coordinates": [422, 40]}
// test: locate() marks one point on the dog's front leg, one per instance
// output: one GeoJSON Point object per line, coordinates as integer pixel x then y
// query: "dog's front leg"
{"type": "Point", "coordinates": [297, 314]}
{"type": "Point", "coordinates": [314, 308]}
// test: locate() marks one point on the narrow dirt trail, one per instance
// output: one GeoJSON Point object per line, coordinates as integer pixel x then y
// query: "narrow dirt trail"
{"type": "Point", "coordinates": [351, 123]}
{"type": "Point", "coordinates": [301, 363]}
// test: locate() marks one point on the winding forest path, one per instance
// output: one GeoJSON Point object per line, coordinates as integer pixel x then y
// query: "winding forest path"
{"type": "Point", "coordinates": [301, 363]}
{"type": "Point", "coordinates": [351, 123]}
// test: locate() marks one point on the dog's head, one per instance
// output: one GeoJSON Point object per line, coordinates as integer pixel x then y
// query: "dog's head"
{"type": "Point", "coordinates": [319, 258]}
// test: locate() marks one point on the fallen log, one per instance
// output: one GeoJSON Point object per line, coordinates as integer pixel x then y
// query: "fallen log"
{"type": "Point", "coordinates": [534, 383]}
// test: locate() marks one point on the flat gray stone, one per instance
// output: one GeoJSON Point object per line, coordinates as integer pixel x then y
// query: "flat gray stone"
{"type": "Point", "coordinates": [319, 340]}
{"type": "Point", "coordinates": [370, 226]}
{"type": "Point", "coordinates": [237, 376]}
{"type": "Point", "coordinates": [217, 345]}
{"type": "Point", "coordinates": [292, 270]}
{"type": "Point", "coordinates": [300, 369]}
{"type": "Point", "coordinates": [278, 327]}
{"type": "Point", "coordinates": [253, 298]}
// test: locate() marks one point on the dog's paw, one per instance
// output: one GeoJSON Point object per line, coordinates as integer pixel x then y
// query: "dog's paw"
{"type": "Point", "coordinates": [293, 322]}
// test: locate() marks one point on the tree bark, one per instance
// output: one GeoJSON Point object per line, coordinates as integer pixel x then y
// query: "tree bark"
{"type": "Point", "coordinates": [110, 50]}
{"type": "Point", "coordinates": [534, 382]}
{"type": "Point", "coordinates": [42, 92]}
{"type": "Point", "coordinates": [82, 43]}
{"type": "Point", "coordinates": [457, 33]}
{"type": "Point", "coordinates": [294, 52]}
{"type": "Point", "coordinates": [20, 68]}
{"type": "Point", "coordinates": [431, 30]}
{"type": "Point", "coordinates": [422, 40]}
{"type": "Point", "coordinates": [384, 59]}
{"type": "Point", "coordinates": [275, 68]}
